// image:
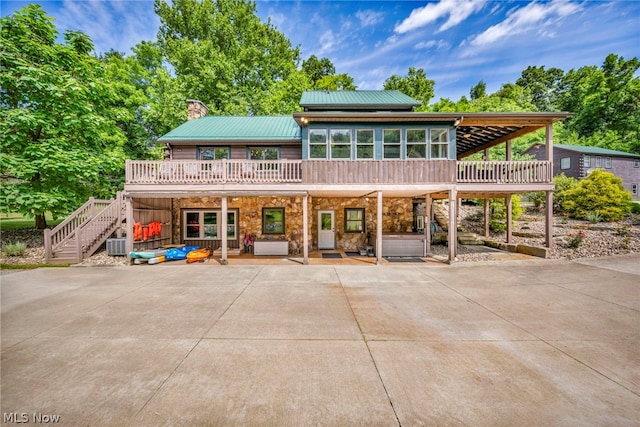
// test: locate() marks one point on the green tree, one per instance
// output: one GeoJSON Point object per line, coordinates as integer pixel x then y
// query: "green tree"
{"type": "Point", "coordinates": [222, 54]}
{"type": "Point", "coordinates": [336, 82]}
{"type": "Point", "coordinates": [316, 69]}
{"type": "Point", "coordinates": [543, 86]}
{"type": "Point", "coordinates": [58, 140]}
{"type": "Point", "coordinates": [415, 84]}
{"type": "Point", "coordinates": [479, 90]}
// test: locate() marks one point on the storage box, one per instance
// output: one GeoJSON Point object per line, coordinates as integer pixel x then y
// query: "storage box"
{"type": "Point", "coordinates": [117, 247]}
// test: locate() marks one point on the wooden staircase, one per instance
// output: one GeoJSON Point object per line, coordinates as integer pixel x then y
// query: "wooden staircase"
{"type": "Point", "coordinates": [84, 231]}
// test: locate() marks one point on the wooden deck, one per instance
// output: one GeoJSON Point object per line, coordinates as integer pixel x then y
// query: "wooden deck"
{"type": "Point", "coordinates": [336, 172]}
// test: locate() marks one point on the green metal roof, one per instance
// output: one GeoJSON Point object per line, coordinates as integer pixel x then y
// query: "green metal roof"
{"type": "Point", "coordinates": [236, 128]}
{"type": "Point", "coordinates": [595, 150]}
{"type": "Point", "coordinates": [357, 99]}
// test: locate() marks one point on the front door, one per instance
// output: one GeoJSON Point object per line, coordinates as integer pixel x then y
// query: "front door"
{"type": "Point", "coordinates": [326, 230]}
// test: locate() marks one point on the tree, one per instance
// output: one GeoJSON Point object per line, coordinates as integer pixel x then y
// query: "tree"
{"type": "Point", "coordinates": [543, 86]}
{"type": "Point", "coordinates": [415, 84]}
{"type": "Point", "coordinates": [316, 69]}
{"type": "Point", "coordinates": [479, 90]}
{"type": "Point", "coordinates": [222, 54]}
{"type": "Point", "coordinates": [58, 140]}
{"type": "Point", "coordinates": [336, 82]}
{"type": "Point", "coordinates": [600, 193]}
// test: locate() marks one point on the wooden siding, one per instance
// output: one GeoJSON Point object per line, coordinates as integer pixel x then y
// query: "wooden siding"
{"type": "Point", "coordinates": [378, 172]}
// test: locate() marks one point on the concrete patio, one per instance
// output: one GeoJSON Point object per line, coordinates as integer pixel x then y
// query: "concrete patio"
{"type": "Point", "coordinates": [533, 342]}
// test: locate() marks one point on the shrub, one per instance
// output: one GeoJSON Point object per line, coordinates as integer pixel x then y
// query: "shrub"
{"type": "Point", "coordinates": [538, 198]}
{"type": "Point", "coordinates": [600, 192]}
{"type": "Point", "coordinates": [499, 212]}
{"type": "Point", "coordinates": [635, 208]}
{"type": "Point", "coordinates": [14, 249]}
{"type": "Point", "coordinates": [563, 184]}
{"type": "Point", "coordinates": [576, 240]}
{"type": "Point", "coordinates": [594, 217]}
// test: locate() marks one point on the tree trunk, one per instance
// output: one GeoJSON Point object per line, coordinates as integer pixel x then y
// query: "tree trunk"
{"type": "Point", "coordinates": [41, 222]}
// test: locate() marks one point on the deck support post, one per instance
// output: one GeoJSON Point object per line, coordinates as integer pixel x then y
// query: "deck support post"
{"type": "Point", "coordinates": [305, 229]}
{"type": "Point", "coordinates": [128, 207]}
{"type": "Point", "coordinates": [487, 219]}
{"type": "Point", "coordinates": [548, 220]}
{"type": "Point", "coordinates": [453, 224]}
{"type": "Point", "coordinates": [509, 224]}
{"type": "Point", "coordinates": [379, 229]}
{"type": "Point", "coordinates": [427, 224]}
{"type": "Point", "coordinates": [223, 232]}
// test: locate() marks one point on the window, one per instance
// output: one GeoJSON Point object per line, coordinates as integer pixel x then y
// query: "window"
{"type": "Point", "coordinates": [206, 224]}
{"type": "Point", "coordinates": [634, 189]}
{"type": "Point", "coordinates": [317, 143]}
{"type": "Point", "coordinates": [364, 144]}
{"type": "Point", "coordinates": [598, 161]}
{"type": "Point", "coordinates": [354, 220]}
{"type": "Point", "coordinates": [607, 162]}
{"type": "Point", "coordinates": [270, 153]}
{"type": "Point", "coordinates": [416, 143]}
{"type": "Point", "coordinates": [391, 143]}
{"type": "Point", "coordinates": [587, 161]}
{"type": "Point", "coordinates": [565, 163]}
{"type": "Point", "coordinates": [273, 221]}
{"type": "Point", "coordinates": [340, 143]}
{"type": "Point", "coordinates": [213, 153]}
{"type": "Point", "coordinates": [439, 143]}
{"type": "Point", "coordinates": [636, 163]}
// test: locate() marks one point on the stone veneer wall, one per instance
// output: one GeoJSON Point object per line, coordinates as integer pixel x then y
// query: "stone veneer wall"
{"type": "Point", "coordinates": [397, 217]}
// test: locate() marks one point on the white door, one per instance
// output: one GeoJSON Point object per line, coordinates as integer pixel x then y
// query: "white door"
{"type": "Point", "coordinates": [326, 230]}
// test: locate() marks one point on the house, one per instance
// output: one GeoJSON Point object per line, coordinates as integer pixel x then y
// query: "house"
{"type": "Point", "coordinates": [578, 161]}
{"type": "Point", "coordinates": [351, 170]}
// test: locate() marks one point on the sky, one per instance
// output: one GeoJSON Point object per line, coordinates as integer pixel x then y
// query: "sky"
{"type": "Point", "coordinates": [457, 42]}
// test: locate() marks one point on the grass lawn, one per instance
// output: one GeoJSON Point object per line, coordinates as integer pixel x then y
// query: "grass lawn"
{"type": "Point", "coordinates": [15, 221]}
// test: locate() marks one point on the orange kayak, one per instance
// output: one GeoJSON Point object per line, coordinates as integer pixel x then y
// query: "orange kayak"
{"type": "Point", "coordinates": [198, 255]}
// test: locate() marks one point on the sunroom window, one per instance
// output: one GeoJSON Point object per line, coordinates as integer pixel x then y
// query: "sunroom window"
{"type": "Point", "coordinates": [340, 143]}
{"type": "Point", "coordinates": [317, 143]}
{"type": "Point", "coordinates": [206, 224]}
{"type": "Point", "coordinates": [364, 144]}
{"type": "Point", "coordinates": [213, 153]}
{"type": "Point", "coordinates": [439, 143]}
{"type": "Point", "coordinates": [416, 143]}
{"type": "Point", "coordinates": [391, 143]}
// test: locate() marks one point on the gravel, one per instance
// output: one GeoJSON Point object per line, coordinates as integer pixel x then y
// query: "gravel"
{"type": "Point", "coordinates": [597, 240]}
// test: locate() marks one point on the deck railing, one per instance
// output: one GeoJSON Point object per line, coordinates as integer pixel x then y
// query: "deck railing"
{"type": "Point", "coordinates": [505, 172]}
{"type": "Point", "coordinates": [336, 171]}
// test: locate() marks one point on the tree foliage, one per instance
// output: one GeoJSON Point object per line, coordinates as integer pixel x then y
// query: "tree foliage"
{"type": "Point", "coordinates": [59, 139]}
{"type": "Point", "coordinates": [599, 193]}
{"type": "Point", "coordinates": [415, 84]}
{"type": "Point", "coordinates": [223, 55]}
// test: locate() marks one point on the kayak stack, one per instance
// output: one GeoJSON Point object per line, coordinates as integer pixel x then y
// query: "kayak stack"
{"type": "Point", "coordinates": [155, 256]}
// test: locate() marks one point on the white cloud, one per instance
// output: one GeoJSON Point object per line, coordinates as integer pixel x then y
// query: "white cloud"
{"type": "Point", "coordinates": [369, 17]}
{"type": "Point", "coordinates": [456, 11]}
{"type": "Point", "coordinates": [534, 16]}
{"type": "Point", "coordinates": [438, 44]}
{"type": "Point", "coordinates": [327, 42]}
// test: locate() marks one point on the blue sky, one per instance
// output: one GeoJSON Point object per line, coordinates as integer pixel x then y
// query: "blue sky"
{"type": "Point", "coordinates": [457, 42]}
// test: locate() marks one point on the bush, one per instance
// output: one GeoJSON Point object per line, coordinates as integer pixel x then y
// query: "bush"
{"type": "Point", "coordinates": [594, 217]}
{"type": "Point", "coordinates": [635, 208]}
{"type": "Point", "coordinates": [14, 249]}
{"type": "Point", "coordinates": [499, 212]}
{"type": "Point", "coordinates": [538, 198]}
{"type": "Point", "coordinates": [600, 192]}
{"type": "Point", "coordinates": [563, 184]}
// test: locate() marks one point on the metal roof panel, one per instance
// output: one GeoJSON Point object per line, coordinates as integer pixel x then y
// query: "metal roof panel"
{"type": "Point", "coordinates": [228, 128]}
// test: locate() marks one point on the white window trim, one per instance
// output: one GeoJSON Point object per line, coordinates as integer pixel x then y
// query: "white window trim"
{"type": "Point", "coordinates": [634, 189]}
{"type": "Point", "coordinates": [587, 161]}
{"type": "Point", "coordinates": [372, 144]}
{"type": "Point", "coordinates": [432, 143]}
{"type": "Point", "coordinates": [608, 164]}
{"type": "Point", "coordinates": [565, 163]}
{"type": "Point", "coordinates": [331, 143]}
{"type": "Point", "coordinates": [201, 213]}
{"type": "Point", "coordinates": [424, 143]}
{"type": "Point", "coordinates": [399, 144]}
{"type": "Point", "coordinates": [598, 161]}
{"type": "Point", "coordinates": [326, 143]}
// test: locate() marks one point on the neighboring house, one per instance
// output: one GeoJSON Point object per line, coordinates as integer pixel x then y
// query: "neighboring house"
{"type": "Point", "coordinates": [352, 169]}
{"type": "Point", "coordinates": [578, 161]}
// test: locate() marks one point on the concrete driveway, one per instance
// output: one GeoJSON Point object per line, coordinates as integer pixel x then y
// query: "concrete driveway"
{"type": "Point", "coordinates": [507, 343]}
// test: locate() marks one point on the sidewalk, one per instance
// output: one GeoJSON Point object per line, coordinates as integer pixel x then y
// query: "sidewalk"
{"type": "Point", "coordinates": [536, 342]}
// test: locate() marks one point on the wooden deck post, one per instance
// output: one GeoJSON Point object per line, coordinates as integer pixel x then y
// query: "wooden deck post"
{"type": "Point", "coordinates": [487, 216]}
{"type": "Point", "coordinates": [548, 220]}
{"type": "Point", "coordinates": [507, 202]}
{"type": "Point", "coordinates": [427, 223]}
{"type": "Point", "coordinates": [305, 229]}
{"type": "Point", "coordinates": [223, 231]}
{"type": "Point", "coordinates": [128, 206]}
{"type": "Point", "coordinates": [379, 230]}
{"type": "Point", "coordinates": [453, 224]}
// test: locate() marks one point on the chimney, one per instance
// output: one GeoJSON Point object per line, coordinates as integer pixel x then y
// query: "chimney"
{"type": "Point", "coordinates": [196, 109]}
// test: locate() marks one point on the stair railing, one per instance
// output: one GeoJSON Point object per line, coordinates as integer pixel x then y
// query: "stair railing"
{"type": "Point", "coordinates": [92, 234]}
